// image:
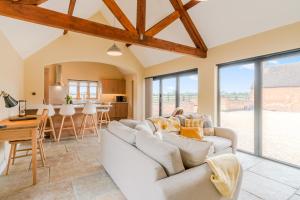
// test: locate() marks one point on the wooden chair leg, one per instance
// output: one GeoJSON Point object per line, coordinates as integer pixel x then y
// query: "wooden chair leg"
{"type": "Point", "coordinates": [108, 117]}
{"type": "Point", "coordinates": [41, 152]}
{"type": "Point", "coordinates": [61, 127]}
{"type": "Point", "coordinates": [52, 128]}
{"type": "Point", "coordinates": [101, 120]}
{"type": "Point", "coordinates": [14, 153]}
{"type": "Point", "coordinates": [73, 125]}
{"type": "Point", "coordinates": [83, 126]}
{"type": "Point", "coordinates": [94, 125]}
{"type": "Point", "coordinates": [12, 146]}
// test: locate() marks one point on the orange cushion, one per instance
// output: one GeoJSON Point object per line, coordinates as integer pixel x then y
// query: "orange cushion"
{"type": "Point", "coordinates": [191, 132]}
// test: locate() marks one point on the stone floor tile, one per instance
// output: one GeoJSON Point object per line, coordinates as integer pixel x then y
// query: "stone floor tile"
{"type": "Point", "coordinates": [266, 188]}
{"type": "Point", "coordinates": [279, 172]}
{"type": "Point", "coordinates": [295, 197]}
{"type": "Point", "coordinates": [244, 195]}
{"type": "Point", "coordinates": [59, 191]}
{"type": "Point", "coordinates": [96, 186]}
{"type": "Point", "coordinates": [247, 160]}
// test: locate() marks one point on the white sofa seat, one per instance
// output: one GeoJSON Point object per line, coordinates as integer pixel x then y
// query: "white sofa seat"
{"type": "Point", "coordinates": [220, 144]}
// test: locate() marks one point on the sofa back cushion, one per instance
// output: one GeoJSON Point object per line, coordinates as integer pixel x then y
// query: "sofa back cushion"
{"type": "Point", "coordinates": [129, 122]}
{"type": "Point", "coordinates": [164, 153]}
{"type": "Point", "coordinates": [193, 152]}
{"type": "Point", "coordinates": [123, 132]}
{"type": "Point", "coordinates": [144, 127]}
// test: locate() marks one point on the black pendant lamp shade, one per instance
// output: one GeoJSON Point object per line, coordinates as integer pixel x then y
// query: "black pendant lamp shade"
{"type": "Point", "coordinates": [9, 101]}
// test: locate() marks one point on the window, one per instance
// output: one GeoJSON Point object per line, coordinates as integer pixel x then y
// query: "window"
{"type": "Point", "coordinates": [83, 89]}
{"type": "Point", "coordinates": [260, 100]}
{"type": "Point", "coordinates": [175, 90]}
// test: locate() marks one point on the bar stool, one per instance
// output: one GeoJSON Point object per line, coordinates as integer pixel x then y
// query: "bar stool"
{"type": "Point", "coordinates": [67, 110]}
{"type": "Point", "coordinates": [89, 112]}
{"type": "Point", "coordinates": [103, 114]}
{"type": "Point", "coordinates": [51, 113]}
{"type": "Point", "coordinates": [40, 147]}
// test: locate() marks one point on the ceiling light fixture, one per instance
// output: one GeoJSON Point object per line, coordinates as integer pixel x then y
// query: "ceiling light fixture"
{"type": "Point", "coordinates": [114, 50]}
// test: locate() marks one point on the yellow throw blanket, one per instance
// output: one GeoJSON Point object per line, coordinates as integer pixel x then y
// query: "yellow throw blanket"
{"type": "Point", "coordinates": [226, 171]}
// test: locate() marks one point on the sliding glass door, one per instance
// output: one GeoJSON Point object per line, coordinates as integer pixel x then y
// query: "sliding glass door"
{"type": "Point", "coordinates": [260, 100]}
{"type": "Point", "coordinates": [168, 96]}
{"type": "Point", "coordinates": [237, 102]}
{"type": "Point", "coordinates": [281, 109]}
{"type": "Point", "coordinates": [175, 90]}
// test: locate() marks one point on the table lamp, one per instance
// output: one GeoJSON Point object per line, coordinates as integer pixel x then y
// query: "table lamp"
{"type": "Point", "coordinates": [9, 102]}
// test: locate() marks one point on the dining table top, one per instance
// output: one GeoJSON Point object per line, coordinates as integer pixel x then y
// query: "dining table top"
{"type": "Point", "coordinates": [11, 125]}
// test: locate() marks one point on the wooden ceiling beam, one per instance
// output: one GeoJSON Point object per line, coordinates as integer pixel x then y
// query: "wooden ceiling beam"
{"type": "Point", "coordinates": [162, 24]}
{"type": "Point", "coordinates": [70, 11]}
{"type": "Point", "coordinates": [189, 25]}
{"type": "Point", "coordinates": [141, 17]}
{"type": "Point", "coordinates": [119, 14]}
{"type": "Point", "coordinates": [55, 19]}
{"type": "Point", "coordinates": [28, 2]}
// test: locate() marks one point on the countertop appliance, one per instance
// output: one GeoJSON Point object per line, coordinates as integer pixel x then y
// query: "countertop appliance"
{"type": "Point", "coordinates": [121, 99]}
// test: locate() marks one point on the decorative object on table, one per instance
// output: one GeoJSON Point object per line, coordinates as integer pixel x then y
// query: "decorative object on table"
{"type": "Point", "coordinates": [9, 102]}
{"type": "Point", "coordinates": [69, 99]}
{"type": "Point", "coordinates": [22, 108]}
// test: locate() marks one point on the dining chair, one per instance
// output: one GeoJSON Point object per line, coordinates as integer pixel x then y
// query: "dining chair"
{"type": "Point", "coordinates": [103, 114]}
{"type": "Point", "coordinates": [89, 111]}
{"type": "Point", "coordinates": [40, 147]}
{"type": "Point", "coordinates": [50, 129]}
{"type": "Point", "coordinates": [67, 110]}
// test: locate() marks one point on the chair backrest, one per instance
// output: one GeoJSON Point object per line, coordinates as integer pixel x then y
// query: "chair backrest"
{"type": "Point", "coordinates": [51, 111]}
{"type": "Point", "coordinates": [43, 123]}
{"type": "Point", "coordinates": [67, 110]}
{"type": "Point", "coordinates": [89, 109]}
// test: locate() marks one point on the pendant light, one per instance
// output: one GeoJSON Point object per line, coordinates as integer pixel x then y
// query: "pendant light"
{"type": "Point", "coordinates": [114, 50]}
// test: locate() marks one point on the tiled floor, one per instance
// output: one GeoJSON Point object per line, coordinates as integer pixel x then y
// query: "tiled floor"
{"type": "Point", "coordinates": [74, 172]}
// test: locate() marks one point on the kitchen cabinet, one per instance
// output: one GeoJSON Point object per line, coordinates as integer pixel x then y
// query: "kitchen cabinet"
{"type": "Point", "coordinates": [119, 110]}
{"type": "Point", "coordinates": [113, 86]}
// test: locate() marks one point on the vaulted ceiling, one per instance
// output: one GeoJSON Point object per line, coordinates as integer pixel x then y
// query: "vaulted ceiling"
{"type": "Point", "coordinates": [218, 21]}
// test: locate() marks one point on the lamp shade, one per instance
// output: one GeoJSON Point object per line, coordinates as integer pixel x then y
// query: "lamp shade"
{"type": "Point", "coordinates": [114, 50]}
{"type": "Point", "coordinates": [9, 101]}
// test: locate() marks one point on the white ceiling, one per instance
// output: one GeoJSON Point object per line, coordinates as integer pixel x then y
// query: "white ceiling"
{"type": "Point", "coordinates": [28, 38]}
{"type": "Point", "coordinates": [218, 21]}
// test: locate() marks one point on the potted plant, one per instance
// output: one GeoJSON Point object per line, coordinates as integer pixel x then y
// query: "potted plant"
{"type": "Point", "coordinates": [69, 99]}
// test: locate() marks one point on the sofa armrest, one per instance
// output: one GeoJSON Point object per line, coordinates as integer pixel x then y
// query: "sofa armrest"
{"type": "Point", "coordinates": [228, 134]}
{"type": "Point", "coordinates": [192, 184]}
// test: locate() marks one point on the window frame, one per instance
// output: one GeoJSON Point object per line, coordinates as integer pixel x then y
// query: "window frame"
{"type": "Point", "coordinates": [258, 96]}
{"type": "Point", "coordinates": [177, 76]}
{"type": "Point", "coordinates": [88, 89]}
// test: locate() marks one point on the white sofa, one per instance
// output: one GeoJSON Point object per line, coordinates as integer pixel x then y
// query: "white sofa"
{"type": "Point", "coordinates": [140, 177]}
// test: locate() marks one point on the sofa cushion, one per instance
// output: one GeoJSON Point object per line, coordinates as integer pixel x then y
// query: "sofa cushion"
{"type": "Point", "coordinates": [219, 143]}
{"type": "Point", "coordinates": [144, 126]}
{"type": "Point", "coordinates": [129, 122]}
{"type": "Point", "coordinates": [123, 132]}
{"type": "Point", "coordinates": [193, 152]}
{"type": "Point", "coordinates": [164, 153]}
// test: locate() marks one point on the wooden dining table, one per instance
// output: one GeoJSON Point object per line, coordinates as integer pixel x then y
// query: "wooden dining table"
{"type": "Point", "coordinates": [22, 130]}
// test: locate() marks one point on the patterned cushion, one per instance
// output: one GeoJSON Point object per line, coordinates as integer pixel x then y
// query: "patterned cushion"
{"type": "Point", "coordinates": [162, 124]}
{"type": "Point", "coordinates": [208, 126]}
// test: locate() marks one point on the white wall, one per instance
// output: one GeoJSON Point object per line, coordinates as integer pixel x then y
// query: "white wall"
{"type": "Point", "coordinates": [11, 81]}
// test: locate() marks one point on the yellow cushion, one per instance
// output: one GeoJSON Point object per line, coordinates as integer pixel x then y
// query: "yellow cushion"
{"type": "Point", "coordinates": [191, 132]}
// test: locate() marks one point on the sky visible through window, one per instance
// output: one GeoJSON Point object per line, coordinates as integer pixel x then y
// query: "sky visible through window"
{"type": "Point", "coordinates": [188, 84]}
{"type": "Point", "coordinates": [240, 78]}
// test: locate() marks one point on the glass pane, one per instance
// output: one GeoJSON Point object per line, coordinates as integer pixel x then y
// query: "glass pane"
{"type": "Point", "coordinates": [237, 103]}
{"type": "Point", "coordinates": [93, 90]}
{"type": "Point", "coordinates": [155, 98]}
{"type": "Point", "coordinates": [281, 109]}
{"type": "Point", "coordinates": [83, 88]}
{"type": "Point", "coordinates": [73, 89]}
{"type": "Point", "coordinates": [168, 96]}
{"type": "Point", "coordinates": [188, 89]}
